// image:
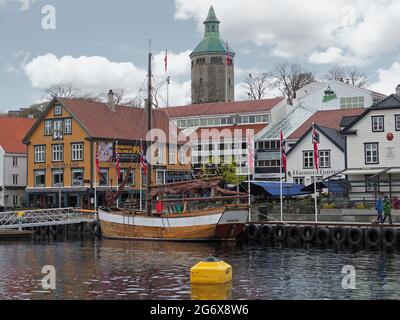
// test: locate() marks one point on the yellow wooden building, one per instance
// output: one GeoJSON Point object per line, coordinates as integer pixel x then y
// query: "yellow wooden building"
{"type": "Point", "coordinates": [63, 144]}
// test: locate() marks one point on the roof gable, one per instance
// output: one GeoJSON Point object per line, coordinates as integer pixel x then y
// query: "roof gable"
{"type": "Point", "coordinates": [391, 102]}
{"type": "Point", "coordinates": [331, 134]}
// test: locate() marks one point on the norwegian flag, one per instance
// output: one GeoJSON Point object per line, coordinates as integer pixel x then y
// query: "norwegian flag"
{"type": "Point", "coordinates": [283, 152]}
{"type": "Point", "coordinates": [143, 162]}
{"type": "Point", "coordinates": [117, 163]}
{"type": "Point", "coordinates": [315, 141]}
{"type": "Point", "coordinates": [166, 61]}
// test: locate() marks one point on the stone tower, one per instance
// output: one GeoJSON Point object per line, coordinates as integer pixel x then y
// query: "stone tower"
{"type": "Point", "coordinates": [212, 66]}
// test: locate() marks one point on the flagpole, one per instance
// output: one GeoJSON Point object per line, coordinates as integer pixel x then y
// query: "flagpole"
{"type": "Point", "coordinates": [280, 176]}
{"type": "Point", "coordinates": [315, 178]}
{"type": "Point", "coordinates": [116, 151]}
{"type": "Point", "coordinates": [95, 179]}
{"type": "Point", "coordinates": [226, 72]}
{"type": "Point", "coordinates": [141, 177]}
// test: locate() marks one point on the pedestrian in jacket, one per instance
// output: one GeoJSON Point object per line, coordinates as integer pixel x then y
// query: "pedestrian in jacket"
{"type": "Point", "coordinates": [379, 209]}
{"type": "Point", "coordinates": [387, 210]}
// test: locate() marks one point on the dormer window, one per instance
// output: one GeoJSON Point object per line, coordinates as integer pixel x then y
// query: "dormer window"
{"type": "Point", "coordinates": [57, 110]}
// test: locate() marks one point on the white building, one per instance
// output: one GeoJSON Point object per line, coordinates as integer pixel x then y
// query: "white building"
{"type": "Point", "coordinates": [372, 151]}
{"type": "Point", "coordinates": [300, 158]}
{"type": "Point", "coordinates": [317, 96]}
{"type": "Point", "coordinates": [13, 161]}
{"type": "Point", "coordinates": [224, 119]}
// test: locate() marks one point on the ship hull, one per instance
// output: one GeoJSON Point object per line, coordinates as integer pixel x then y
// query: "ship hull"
{"type": "Point", "coordinates": [215, 224]}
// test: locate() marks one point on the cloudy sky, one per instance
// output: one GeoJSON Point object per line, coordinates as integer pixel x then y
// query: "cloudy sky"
{"type": "Point", "coordinates": [99, 44]}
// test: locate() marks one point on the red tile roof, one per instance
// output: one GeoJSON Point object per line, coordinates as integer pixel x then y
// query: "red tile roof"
{"type": "Point", "coordinates": [126, 123]}
{"type": "Point", "coordinates": [222, 108]}
{"type": "Point", "coordinates": [12, 131]}
{"type": "Point", "coordinates": [325, 118]}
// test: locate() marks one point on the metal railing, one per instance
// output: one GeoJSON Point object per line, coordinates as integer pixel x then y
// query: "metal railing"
{"type": "Point", "coordinates": [44, 217]}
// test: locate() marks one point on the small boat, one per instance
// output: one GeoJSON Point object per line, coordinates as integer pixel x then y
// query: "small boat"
{"type": "Point", "coordinates": [183, 219]}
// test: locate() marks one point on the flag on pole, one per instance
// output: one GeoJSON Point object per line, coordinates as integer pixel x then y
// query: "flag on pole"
{"type": "Point", "coordinates": [315, 140]}
{"type": "Point", "coordinates": [166, 61]}
{"type": "Point", "coordinates": [283, 152]}
{"type": "Point", "coordinates": [227, 53]}
{"type": "Point", "coordinates": [143, 162]}
{"type": "Point", "coordinates": [250, 150]}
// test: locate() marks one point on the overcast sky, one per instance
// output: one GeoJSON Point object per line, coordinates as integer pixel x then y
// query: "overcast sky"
{"type": "Point", "coordinates": [99, 44]}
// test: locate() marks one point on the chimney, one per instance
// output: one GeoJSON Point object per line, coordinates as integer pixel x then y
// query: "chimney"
{"type": "Point", "coordinates": [111, 101]}
{"type": "Point", "coordinates": [398, 90]}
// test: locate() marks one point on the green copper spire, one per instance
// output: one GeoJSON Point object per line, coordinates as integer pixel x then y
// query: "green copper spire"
{"type": "Point", "coordinates": [211, 43]}
{"type": "Point", "coordinates": [211, 24]}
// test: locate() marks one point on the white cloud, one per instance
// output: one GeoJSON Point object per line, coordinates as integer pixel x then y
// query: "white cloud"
{"type": "Point", "coordinates": [97, 74]}
{"type": "Point", "coordinates": [348, 32]}
{"type": "Point", "coordinates": [24, 4]}
{"type": "Point", "coordinates": [388, 79]}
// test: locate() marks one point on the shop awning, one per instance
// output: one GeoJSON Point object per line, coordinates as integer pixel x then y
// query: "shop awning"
{"type": "Point", "coordinates": [272, 189]}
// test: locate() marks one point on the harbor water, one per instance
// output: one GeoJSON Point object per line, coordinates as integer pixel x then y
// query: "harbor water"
{"type": "Point", "coordinates": [94, 268]}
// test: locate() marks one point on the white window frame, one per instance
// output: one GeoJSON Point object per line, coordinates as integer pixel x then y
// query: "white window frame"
{"type": "Point", "coordinates": [57, 129]}
{"type": "Point", "coordinates": [57, 153]}
{"type": "Point", "coordinates": [48, 126]}
{"type": "Point", "coordinates": [310, 156]}
{"type": "Point", "coordinates": [68, 126]}
{"type": "Point", "coordinates": [371, 151]}
{"type": "Point", "coordinates": [57, 110]}
{"type": "Point", "coordinates": [324, 156]}
{"type": "Point", "coordinates": [172, 154]}
{"type": "Point", "coordinates": [378, 123]}
{"type": "Point", "coordinates": [40, 154]}
{"type": "Point", "coordinates": [15, 179]}
{"type": "Point", "coordinates": [77, 151]}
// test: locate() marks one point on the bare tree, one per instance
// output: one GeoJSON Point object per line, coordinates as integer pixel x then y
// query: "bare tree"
{"type": "Point", "coordinates": [289, 77]}
{"type": "Point", "coordinates": [358, 79]}
{"type": "Point", "coordinates": [336, 73]}
{"type": "Point", "coordinates": [353, 77]}
{"type": "Point", "coordinates": [62, 90]}
{"type": "Point", "coordinates": [257, 85]}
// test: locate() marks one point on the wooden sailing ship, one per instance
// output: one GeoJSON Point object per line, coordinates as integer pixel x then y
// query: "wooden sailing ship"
{"type": "Point", "coordinates": [182, 211]}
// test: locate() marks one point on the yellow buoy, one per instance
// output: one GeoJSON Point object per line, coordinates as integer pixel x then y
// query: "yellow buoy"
{"type": "Point", "coordinates": [211, 271]}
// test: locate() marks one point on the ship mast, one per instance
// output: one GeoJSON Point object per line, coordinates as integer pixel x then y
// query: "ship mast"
{"type": "Point", "coordinates": [149, 127]}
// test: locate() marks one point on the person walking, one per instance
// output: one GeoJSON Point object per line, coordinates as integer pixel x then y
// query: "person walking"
{"type": "Point", "coordinates": [379, 209]}
{"type": "Point", "coordinates": [387, 210]}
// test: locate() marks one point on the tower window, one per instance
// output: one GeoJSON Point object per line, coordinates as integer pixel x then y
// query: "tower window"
{"type": "Point", "coordinates": [212, 28]}
{"type": "Point", "coordinates": [229, 82]}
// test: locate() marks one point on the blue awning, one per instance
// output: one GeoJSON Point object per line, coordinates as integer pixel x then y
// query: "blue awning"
{"type": "Point", "coordinates": [272, 189]}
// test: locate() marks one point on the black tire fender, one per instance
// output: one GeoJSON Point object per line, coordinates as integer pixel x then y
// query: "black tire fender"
{"type": "Point", "coordinates": [373, 236]}
{"type": "Point", "coordinates": [252, 231]}
{"type": "Point", "coordinates": [307, 233]}
{"type": "Point", "coordinates": [279, 232]}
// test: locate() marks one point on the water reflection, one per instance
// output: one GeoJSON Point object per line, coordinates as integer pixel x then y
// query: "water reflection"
{"type": "Point", "coordinates": [91, 268]}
